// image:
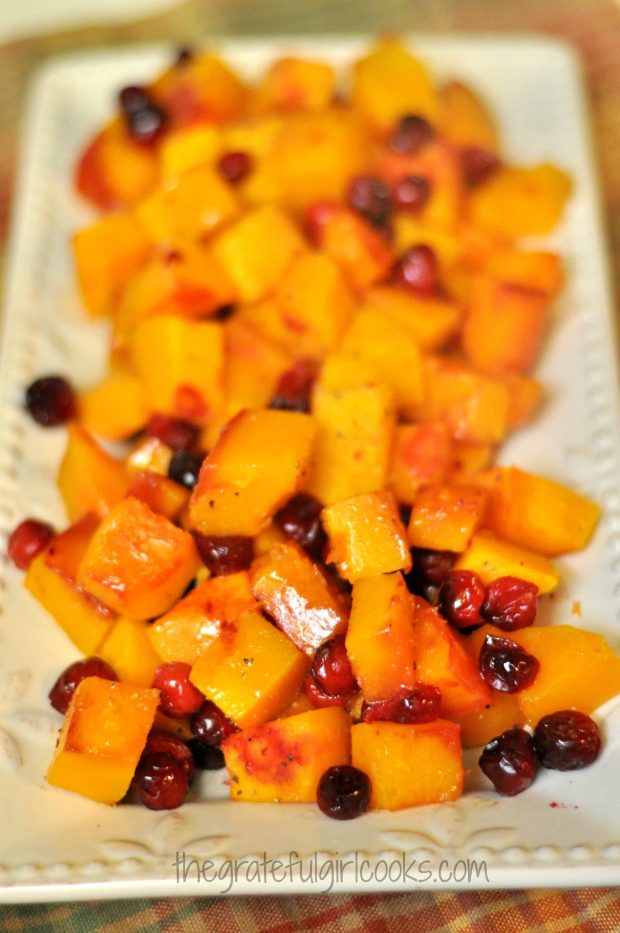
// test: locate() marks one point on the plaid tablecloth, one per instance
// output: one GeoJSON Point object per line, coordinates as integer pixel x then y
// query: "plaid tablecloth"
{"type": "Point", "coordinates": [593, 26]}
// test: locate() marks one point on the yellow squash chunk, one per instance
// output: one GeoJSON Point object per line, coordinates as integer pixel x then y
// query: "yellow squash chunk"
{"type": "Point", "coordinates": [283, 761]}
{"type": "Point", "coordinates": [296, 84]}
{"type": "Point", "coordinates": [409, 766]}
{"type": "Point", "coordinates": [102, 738]}
{"type": "Point", "coordinates": [194, 622]}
{"type": "Point", "coordinates": [531, 269]}
{"type": "Point", "coordinates": [444, 517]}
{"type": "Point", "coordinates": [252, 671]}
{"type": "Point", "coordinates": [422, 454]}
{"type": "Point", "coordinates": [410, 230]}
{"type": "Point", "coordinates": [116, 407]}
{"type": "Point", "coordinates": [295, 592]}
{"type": "Point", "coordinates": [501, 714]}
{"type": "Point", "coordinates": [161, 494]}
{"type": "Point", "coordinates": [130, 652]}
{"type": "Point", "coordinates": [51, 579]}
{"type": "Point", "coordinates": [255, 466]}
{"type": "Point", "coordinates": [138, 563]}
{"type": "Point", "coordinates": [389, 83]}
{"type": "Point", "coordinates": [252, 366]}
{"type": "Point", "coordinates": [525, 396]}
{"type": "Point", "coordinates": [89, 479]}
{"type": "Point", "coordinates": [521, 201]}
{"type": "Point", "coordinates": [203, 89]}
{"type": "Point", "coordinates": [256, 250]}
{"type": "Point", "coordinates": [537, 513]}
{"type": "Point", "coordinates": [491, 558]}
{"type": "Point", "coordinates": [149, 454]}
{"type": "Point", "coordinates": [380, 642]}
{"type": "Point", "coordinates": [366, 536]}
{"type": "Point", "coordinates": [361, 251]}
{"type": "Point", "coordinates": [187, 148]}
{"type": "Point", "coordinates": [431, 322]}
{"type": "Point", "coordinates": [468, 460]}
{"type": "Point", "coordinates": [463, 118]}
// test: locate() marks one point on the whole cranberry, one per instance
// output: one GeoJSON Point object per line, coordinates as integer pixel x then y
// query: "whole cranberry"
{"type": "Point", "coordinates": [210, 725]}
{"type": "Point", "coordinates": [300, 519]}
{"type": "Point", "coordinates": [294, 387]}
{"type": "Point", "coordinates": [319, 697]}
{"type": "Point", "coordinates": [477, 165]}
{"type": "Point", "coordinates": [461, 597]}
{"type": "Point", "coordinates": [161, 781]}
{"type": "Point", "coordinates": [178, 695]}
{"type": "Point", "coordinates": [159, 741]}
{"type": "Point", "coordinates": [332, 669]}
{"type": "Point", "coordinates": [506, 666]}
{"type": "Point", "coordinates": [316, 218]}
{"type": "Point", "coordinates": [234, 166]}
{"type": "Point", "coordinates": [133, 98]}
{"type": "Point", "coordinates": [225, 554]}
{"type": "Point", "coordinates": [420, 703]}
{"type": "Point", "coordinates": [184, 467]}
{"type": "Point", "coordinates": [27, 540]}
{"type": "Point", "coordinates": [66, 685]}
{"type": "Point", "coordinates": [174, 432]}
{"type": "Point", "coordinates": [411, 193]}
{"type": "Point", "coordinates": [511, 603]}
{"type": "Point", "coordinates": [143, 117]}
{"type": "Point", "coordinates": [430, 568]}
{"type": "Point", "coordinates": [51, 401]}
{"type": "Point", "coordinates": [369, 196]}
{"type": "Point", "coordinates": [509, 761]}
{"type": "Point", "coordinates": [207, 757]}
{"type": "Point", "coordinates": [417, 270]}
{"type": "Point", "coordinates": [343, 792]}
{"type": "Point", "coordinates": [411, 133]}
{"type": "Point", "coordinates": [567, 740]}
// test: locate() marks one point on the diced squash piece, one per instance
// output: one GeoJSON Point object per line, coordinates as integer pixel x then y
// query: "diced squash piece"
{"type": "Point", "coordinates": [203, 89]}
{"type": "Point", "coordinates": [444, 517]}
{"type": "Point", "coordinates": [422, 454]}
{"type": "Point", "coordinates": [359, 249]}
{"type": "Point", "coordinates": [525, 395]}
{"type": "Point", "coordinates": [491, 558]}
{"type": "Point", "coordinates": [102, 738]}
{"type": "Point", "coordinates": [130, 652]}
{"type": "Point", "coordinates": [187, 148]}
{"type": "Point", "coordinates": [468, 460]}
{"type": "Point", "coordinates": [162, 495]}
{"type": "Point", "coordinates": [366, 536]}
{"type": "Point", "coordinates": [521, 201]}
{"type": "Point", "coordinates": [409, 230]}
{"type": "Point", "coordinates": [463, 118]}
{"type": "Point", "coordinates": [296, 84]}
{"type": "Point", "coordinates": [194, 622]}
{"type": "Point", "coordinates": [537, 513]}
{"type": "Point", "coordinates": [409, 765]}
{"type": "Point", "coordinates": [283, 761]}
{"type": "Point", "coordinates": [251, 670]}
{"type": "Point", "coordinates": [295, 592]}
{"type": "Point", "coordinates": [149, 454]}
{"type": "Point", "coordinates": [256, 250]}
{"type": "Point", "coordinates": [532, 269]}
{"type": "Point", "coordinates": [501, 714]}
{"type": "Point", "coordinates": [430, 321]}
{"type": "Point", "coordinates": [380, 641]}
{"type": "Point", "coordinates": [114, 171]}
{"type": "Point", "coordinates": [138, 563]}
{"type": "Point", "coordinates": [255, 466]}
{"type": "Point", "coordinates": [439, 163]}
{"type": "Point", "coordinates": [267, 539]}
{"type": "Point", "coordinates": [107, 253]}
{"type": "Point", "coordinates": [116, 407]}
{"type": "Point", "coordinates": [89, 479]}
{"type": "Point", "coordinates": [252, 367]}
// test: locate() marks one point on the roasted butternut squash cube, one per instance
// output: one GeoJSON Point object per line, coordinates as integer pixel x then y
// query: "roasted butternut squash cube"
{"type": "Point", "coordinates": [89, 478]}
{"type": "Point", "coordinates": [468, 460]}
{"type": "Point", "coordinates": [464, 119]}
{"type": "Point", "coordinates": [296, 593]}
{"type": "Point", "coordinates": [525, 396]}
{"type": "Point", "coordinates": [194, 622]}
{"type": "Point", "coordinates": [102, 738]}
{"type": "Point", "coordinates": [491, 558]}
{"type": "Point", "coordinates": [379, 641]}
{"type": "Point", "coordinates": [255, 466]}
{"type": "Point", "coordinates": [431, 322]}
{"type": "Point", "coordinates": [366, 536]}
{"type": "Point", "coordinates": [531, 269]}
{"type": "Point", "coordinates": [251, 670]}
{"type": "Point", "coordinates": [252, 366]}
{"type": "Point", "coordinates": [409, 765]}
{"type": "Point", "coordinates": [256, 250]}
{"type": "Point", "coordinates": [149, 454]}
{"type": "Point", "coordinates": [409, 230]}
{"type": "Point", "coordinates": [296, 84]}
{"type": "Point", "coordinates": [537, 513]}
{"type": "Point", "coordinates": [422, 454]}
{"type": "Point", "coordinates": [186, 148]}
{"type": "Point", "coordinates": [130, 652]}
{"type": "Point", "coordinates": [438, 162]}
{"type": "Point", "coordinates": [162, 495]}
{"type": "Point", "coordinates": [203, 89]}
{"type": "Point", "coordinates": [114, 171]}
{"type": "Point", "coordinates": [521, 201]}
{"type": "Point", "coordinates": [116, 407]}
{"type": "Point", "coordinates": [501, 714]}
{"type": "Point", "coordinates": [283, 761]}
{"type": "Point", "coordinates": [444, 517]}
{"type": "Point", "coordinates": [138, 563]}
{"type": "Point", "coordinates": [360, 251]}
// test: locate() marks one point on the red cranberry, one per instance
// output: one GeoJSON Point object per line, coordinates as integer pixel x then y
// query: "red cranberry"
{"type": "Point", "coordinates": [315, 219]}
{"type": "Point", "coordinates": [369, 196]}
{"type": "Point", "coordinates": [300, 519]}
{"type": "Point", "coordinates": [294, 387]}
{"type": "Point", "coordinates": [509, 761]}
{"type": "Point", "coordinates": [343, 792]}
{"type": "Point", "coordinates": [420, 703]}
{"type": "Point", "coordinates": [417, 270]}
{"type": "Point", "coordinates": [184, 467]}
{"type": "Point", "coordinates": [159, 741]}
{"type": "Point", "coordinates": [567, 740]}
{"type": "Point", "coordinates": [461, 597]}
{"type": "Point", "coordinates": [319, 697]}
{"type": "Point", "coordinates": [133, 98]}
{"type": "Point", "coordinates": [505, 666]}
{"type": "Point", "coordinates": [234, 166]}
{"type": "Point", "coordinates": [161, 782]}
{"type": "Point", "coordinates": [178, 696]}
{"type": "Point", "coordinates": [411, 193]}
{"type": "Point", "coordinates": [210, 725]}
{"type": "Point", "coordinates": [225, 554]}
{"type": "Point", "coordinates": [175, 432]}
{"type": "Point", "coordinates": [28, 540]}
{"type": "Point", "coordinates": [477, 165]}
{"type": "Point", "coordinates": [64, 688]}
{"type": "Point", "coordinates": [511, 603]}
{"type": "Point", "coordinates": [411, 133]}
{"type": "Point", "coordinates": [207, 757]}
{"type": "Point", "coordinates": [433, 566]}
{"type": "Point", "coordinates": [144, 118]}
{"type": "Point", "coordinates": [51, 401]}
{"type": "Point", "coordinates": [332, 669]}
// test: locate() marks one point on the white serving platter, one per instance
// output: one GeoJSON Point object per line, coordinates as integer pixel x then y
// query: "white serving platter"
{"type": "Point", "coordinates": [565, 830]}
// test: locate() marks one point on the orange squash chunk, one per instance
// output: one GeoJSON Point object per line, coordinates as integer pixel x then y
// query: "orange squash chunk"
{"type": "Point", "coordinates": [468, 460]}
{"type": "Point", "coordinates": [102, 738]}
{"type": "Point", "coordinates": [356, 246]}
{"type": "Point", "coordinates": [203, 89]}
{"type": "Point", "coordinates": [257, 463]}
{"type": "Point", "coordinates": [438, 162]}
{"type": "Point", "coordinates": [116, 407]}
{"type": "Point", "coordinates": [380, 640]}
{"type": "Point", "coordinates": [128, 649]}
{"type": "Point", "coordinates": [463, 118]}
{"type": "Point", "coordinates": [253, 366]}
{"type": "Point", "coordinates": [138, 563]}
{"type": "Point", "coordinates": [525, 396]}
{"type": "Point", "coordinates": [532, 269]}
{"type": "Point", "coordinates": [283, 761]}
{"type": "Point", "coordinates": [162, 495]}
{"type": "Point", "coordinates": [491, 558]}
{"type": "Point", "coordinates": [149, 454]}
{"type": "Point", "coordinates": [194, 622]}
{"type": "Point", "coordinates": [252, 671]}
{"type": "Point", "coordinates": [186, 148]}
{"type": "Point", "coordinates": [295, 592]}
{"type": "Point", "coordinates": [114, 171]}
{"type": "Point", "coordinates": [431, 322]}
{"type": "Point", "coordinates": [89, 479]}
{"type": "Point", "coordinates": [296, 84]}
{"type": "Point", "coordinates": [366, 536]}
{"type": "Point", "coordinates": [444, 517]}
{"type": "Point", "coordinates": [422, 454]}
{"type": "Point", "coordinates": [521, 201]}
{"type": "Point", "coordinates": [409, 766]}
{"type": "Point", "coordinates": [500, 714]}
